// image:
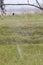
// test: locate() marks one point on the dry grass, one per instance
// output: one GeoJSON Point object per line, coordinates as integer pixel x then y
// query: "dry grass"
{"type": "Point", "coordinates": [27, 32]}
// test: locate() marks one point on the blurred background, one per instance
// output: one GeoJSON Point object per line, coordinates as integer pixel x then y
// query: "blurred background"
{"type": "Point", "coordinates": [20, 9]}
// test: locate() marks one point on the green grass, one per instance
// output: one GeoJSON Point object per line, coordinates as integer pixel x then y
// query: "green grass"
{"type": "Point", "coordinates": [21, 29]}
{"type": "Point", "coordinates": [31, 55]}
{"type": "Point", "coordinates": [25, 31]}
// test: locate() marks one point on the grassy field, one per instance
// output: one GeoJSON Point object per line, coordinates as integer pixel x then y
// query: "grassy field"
{"type": "Point", "coordinates": [21, 40]}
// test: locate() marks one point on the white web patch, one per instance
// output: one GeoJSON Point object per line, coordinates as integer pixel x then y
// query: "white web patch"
{"type": "Point", "coordinates": [19, 51]}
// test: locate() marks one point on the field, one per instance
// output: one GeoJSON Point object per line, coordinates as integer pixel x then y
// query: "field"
{"type": "Point", "coordinates": [21, 39]}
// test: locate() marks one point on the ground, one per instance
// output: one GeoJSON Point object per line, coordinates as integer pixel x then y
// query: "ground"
{"type": "Point", "coordinates": [21, 39]}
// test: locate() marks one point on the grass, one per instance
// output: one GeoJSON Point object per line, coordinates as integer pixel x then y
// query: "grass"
{"type": "Point", "coordinates": [25, 31]}
{"type": "Point", "coordinates": [21, 29]}
{"type": "Point", "coordinates": [31, 55]}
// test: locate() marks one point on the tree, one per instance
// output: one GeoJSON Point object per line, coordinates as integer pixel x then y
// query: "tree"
{"type": "Point", "coordinates": [1, 5]}
{"type": "Point", "coordinates": [37, 6]}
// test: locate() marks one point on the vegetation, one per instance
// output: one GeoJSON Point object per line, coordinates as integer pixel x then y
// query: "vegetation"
{"type": "Point", "coordinates": [21, 29]}
{"type": "Point", "coordinates": [21, 35]}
